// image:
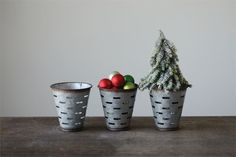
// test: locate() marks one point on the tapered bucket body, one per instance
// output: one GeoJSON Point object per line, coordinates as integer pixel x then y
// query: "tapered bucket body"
{"type": "Point", "coordinates": [167, 108]}
{"type": "Point", "coordinates": [118, 107]}
{"type": "Point", "coordinates": [71, 99]}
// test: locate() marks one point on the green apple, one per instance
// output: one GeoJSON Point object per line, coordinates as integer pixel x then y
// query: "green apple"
{"type": "Point", "coordinates": [129, 85]}
{"type": "Point", "coordinates": [129, 78]}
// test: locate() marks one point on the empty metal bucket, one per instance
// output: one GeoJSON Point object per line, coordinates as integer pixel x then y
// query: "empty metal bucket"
{"type": "Point", "coordinates": [118, 107]}
{"type": "Point", "coordinates": [71, 99]}
{"type": "Point", "coordinates": [167, 108]}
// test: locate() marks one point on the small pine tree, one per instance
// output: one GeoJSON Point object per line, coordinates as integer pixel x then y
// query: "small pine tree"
{"type": "Point", "coordinates": [165, 73]}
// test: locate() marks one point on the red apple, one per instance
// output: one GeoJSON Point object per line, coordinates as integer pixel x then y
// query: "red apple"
{"type": "Point", "coordinates": [118, 80]}
{"type": "Point", "coordinates": [105, 83]}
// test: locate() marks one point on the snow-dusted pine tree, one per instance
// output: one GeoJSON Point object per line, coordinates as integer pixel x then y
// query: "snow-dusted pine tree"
{"type": "Point", "coordinates": [165, 73]}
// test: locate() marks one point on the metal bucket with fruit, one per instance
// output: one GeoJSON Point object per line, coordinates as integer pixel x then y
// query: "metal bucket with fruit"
{"type": "Point", "coordinates": [118, 96]}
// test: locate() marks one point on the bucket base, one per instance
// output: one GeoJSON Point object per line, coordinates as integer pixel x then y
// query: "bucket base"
{"type": "Point", "coordinates": [167, 129]}
{"type": "Point", "coordinates": [118, 129]}
{"type": "Point", "coordinates": [71, 130]}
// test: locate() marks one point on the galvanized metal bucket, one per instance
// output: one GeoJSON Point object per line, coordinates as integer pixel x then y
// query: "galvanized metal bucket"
{"type": "Point", "coordinates": [71, 99]}
{"type": "Point", "coordinates": [167, 108]}
{"type": "Point", "coordinates": [118, 107]}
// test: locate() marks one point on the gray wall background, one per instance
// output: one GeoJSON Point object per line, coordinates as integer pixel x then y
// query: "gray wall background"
{"type": "Point", "coordinates": [1, 60]}
{"type": "Point", "coordinates": [47, 41]}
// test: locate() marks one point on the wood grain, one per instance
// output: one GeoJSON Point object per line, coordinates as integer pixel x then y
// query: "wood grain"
{"type": "Point", "coordinates": [40, 137]}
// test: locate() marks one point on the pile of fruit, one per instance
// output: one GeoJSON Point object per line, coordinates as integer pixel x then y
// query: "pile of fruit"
{"type": "Point", "coordinates": [117, 81]}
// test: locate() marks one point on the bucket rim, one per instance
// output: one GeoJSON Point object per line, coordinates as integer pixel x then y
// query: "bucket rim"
{"type": "Point", "coordinates": [169, 91]}
{"type": "Point", "coordinates": [119, 90]}
{"type": "Point", "coordinates": [55, 86]}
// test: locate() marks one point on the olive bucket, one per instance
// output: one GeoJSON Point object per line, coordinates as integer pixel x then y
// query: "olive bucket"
{"type": "Point", "coordinates": [167, 108]}
{"type": "Point", "coordinates": [118, 107]}
{"type": "Point", "coordinates": [71, 99]}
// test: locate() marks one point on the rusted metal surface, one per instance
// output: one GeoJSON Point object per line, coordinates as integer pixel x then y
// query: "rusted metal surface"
{"type": "Point", "coordinates": [40, 137]}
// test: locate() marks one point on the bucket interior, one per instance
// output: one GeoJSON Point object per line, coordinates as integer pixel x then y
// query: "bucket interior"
{"type": "Point", "coordinates": [71, 86]}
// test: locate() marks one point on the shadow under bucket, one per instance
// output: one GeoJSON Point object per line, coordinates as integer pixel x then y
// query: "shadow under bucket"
{"type": "Point", "coordinates": [118, 107]}
{"type": "Point", "coordinates": [71, 99]}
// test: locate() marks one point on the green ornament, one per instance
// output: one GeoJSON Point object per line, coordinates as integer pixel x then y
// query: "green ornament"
{"type": "Point", "coordinates": [129, 85]}
{"type": "Point", "coordinates": [129, 78]}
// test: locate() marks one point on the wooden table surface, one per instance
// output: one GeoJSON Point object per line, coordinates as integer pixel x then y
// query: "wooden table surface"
{"type": "Point", "coordinates": [41, 137]}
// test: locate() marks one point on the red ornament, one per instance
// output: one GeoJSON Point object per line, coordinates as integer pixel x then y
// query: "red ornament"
{"type": "Point", "coordinates": [105, 83]}
{"type": "Point", "coordinates": [115, 88]}
{"type": "Point", "coordinates": [118, 80]}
